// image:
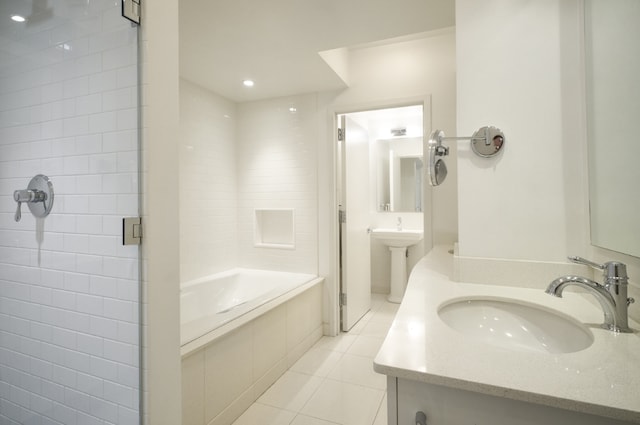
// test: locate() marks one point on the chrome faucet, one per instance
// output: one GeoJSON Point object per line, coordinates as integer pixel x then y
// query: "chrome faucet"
{"type": "Point", "coordinates": [399, 224]}
{"type": "Point", "coordinates": [612, 295]}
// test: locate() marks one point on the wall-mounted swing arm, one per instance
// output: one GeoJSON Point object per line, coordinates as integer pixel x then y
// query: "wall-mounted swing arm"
{"type": "Point", "coordinates": [486, 142]}
{"type": "Point", "coordinates": [38, 196]}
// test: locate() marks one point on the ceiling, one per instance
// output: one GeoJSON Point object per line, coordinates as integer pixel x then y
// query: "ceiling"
{"type": "Point", "coordinates": [277, 43]}
{"type": "Point", "coordinates": [379, 123]}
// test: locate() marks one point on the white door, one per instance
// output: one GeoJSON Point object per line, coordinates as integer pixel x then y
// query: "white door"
{"type": "Point", "coordinates": [355, 284]}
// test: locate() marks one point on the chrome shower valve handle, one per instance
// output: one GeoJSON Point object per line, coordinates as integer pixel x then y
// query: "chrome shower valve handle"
{"type": "Point", "coordinates": [27, 195]}
{"type": "Point", "coordinates": [38, 196]}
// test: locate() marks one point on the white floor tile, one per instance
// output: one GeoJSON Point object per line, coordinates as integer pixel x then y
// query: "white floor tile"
{"type": "Point", "coordinates": [308, 420]}
{"type": "Point", "coordinates": [376, 329]}
{"type": "Point", "coordinates": [316, 362]}
{"type": "Point", "coordinates": [358, 370]}
{"type": "Point", "coordinates": [378, 300]}
{"type": "Point", "coordinates": [381, 315]}
{"type": "Point", "coordinates": [265, 415]}
{"type": "Point", "coordinates": [381, 417]}
{"type": "Point", "coordinates": [387, 307]}
{"type": "Point", "coordinates": [367, 346]}
{"type": "Point", "coordinates": [291, 391]}
{"type": "Point", "coordinates": [340, 343]}
{"type": "Point", "coordinates": [333, 383]}
{"type": "Point", "coordinates": [344, 403]}
{"type": "Point", "coordinates": [360, 324]}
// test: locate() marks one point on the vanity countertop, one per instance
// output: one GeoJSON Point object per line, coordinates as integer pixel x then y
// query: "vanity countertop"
{"type": "Point", "coordinates": [603, 379]}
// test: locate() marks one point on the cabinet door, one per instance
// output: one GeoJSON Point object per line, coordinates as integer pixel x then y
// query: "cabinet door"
{"type": "Point", "coordinates": [448, 406]}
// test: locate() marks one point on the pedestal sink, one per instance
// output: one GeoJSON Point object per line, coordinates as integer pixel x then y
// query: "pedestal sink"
{"type": "Point", "coordinates": [398, 241]}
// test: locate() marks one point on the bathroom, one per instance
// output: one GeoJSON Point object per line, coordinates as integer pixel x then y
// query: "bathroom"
{"type": "Point", "coordinates": [544, 220]}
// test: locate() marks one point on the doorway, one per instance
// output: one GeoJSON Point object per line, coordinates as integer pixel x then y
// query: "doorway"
{"type": "Point", "coordinates": [378, 150]}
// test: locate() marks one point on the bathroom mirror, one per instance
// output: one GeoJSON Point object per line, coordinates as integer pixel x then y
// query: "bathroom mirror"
{"type": "Point", "coordinates": [399, 171]}
{"type": "Point", "coordinates": [612, 69]}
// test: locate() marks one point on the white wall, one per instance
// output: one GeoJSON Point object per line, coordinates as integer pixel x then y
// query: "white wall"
{"type": "Point", "coordinates": [406, 69]}
{"type": "Point", "coordinates": [524, 75]}
{"type": "Point", "coordinates": [277, 168]}
{"type": "Point", "coordinates": [208, 188]}
{"type": "Point", "coordinates": [69, 339]}
{"type": "Point", "coordinates": [160, 245]}
{"type": "Point", "coordinates": [381, 75]}
{"type": "Point", "coordinates": [510, 75]}
{"type": "Point", "coordinates": [235, 158]}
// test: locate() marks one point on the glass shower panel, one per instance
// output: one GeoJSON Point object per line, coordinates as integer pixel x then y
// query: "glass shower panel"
{"type": "Point", "coordinates": [69, 289]}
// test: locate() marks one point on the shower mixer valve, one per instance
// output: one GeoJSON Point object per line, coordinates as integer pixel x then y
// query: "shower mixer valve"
{"type": "Point", "coordinates": [38, 196]}
{"type": "Point", "coordinates": [27, 195]}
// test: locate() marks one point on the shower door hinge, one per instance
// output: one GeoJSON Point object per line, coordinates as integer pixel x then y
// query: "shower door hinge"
{"type": "Point", "coordinates": [342, 216]}
{"type": "Point", "coordinates": [343, 298]}
{"type": "Point", "coordinates": [340, 135]}
{"type": "Point", "coordinates": [131, 10]}
{"type": "Point", "coordinates": [131, 231]}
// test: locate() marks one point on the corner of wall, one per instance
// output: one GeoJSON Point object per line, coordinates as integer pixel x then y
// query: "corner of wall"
{"type": "Point", "coordinates": [161, 367]}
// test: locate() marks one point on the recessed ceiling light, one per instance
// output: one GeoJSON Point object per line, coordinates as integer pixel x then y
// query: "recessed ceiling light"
{"type": "Point", "coordinates": [248, 83]}
{"type": "Point", "coordinates": [18, 18]}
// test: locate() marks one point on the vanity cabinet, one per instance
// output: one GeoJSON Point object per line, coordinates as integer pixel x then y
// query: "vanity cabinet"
{"type": "Point", "coordinates": [448, 406]}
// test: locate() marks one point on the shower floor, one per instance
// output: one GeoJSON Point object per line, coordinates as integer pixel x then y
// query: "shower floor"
{"type": "Point", "coordinates": [334, 382]}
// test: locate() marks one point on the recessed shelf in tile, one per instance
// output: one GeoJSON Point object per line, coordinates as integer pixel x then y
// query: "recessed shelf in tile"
{"type": "Point", "coordinates": [274, 228]}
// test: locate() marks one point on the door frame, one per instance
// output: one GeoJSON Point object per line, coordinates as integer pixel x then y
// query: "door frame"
{"type": "Point", "coordinates": [333, 289]}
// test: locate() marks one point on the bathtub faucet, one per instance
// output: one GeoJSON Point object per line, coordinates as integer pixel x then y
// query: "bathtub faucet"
{"type": "Point", "coordinates": [612, 295]}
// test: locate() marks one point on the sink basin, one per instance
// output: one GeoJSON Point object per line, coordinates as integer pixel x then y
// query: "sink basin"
{"type": "Point", "coordinates": [516, 324]}
{"type": "Point", "coordinates": [397, 238]}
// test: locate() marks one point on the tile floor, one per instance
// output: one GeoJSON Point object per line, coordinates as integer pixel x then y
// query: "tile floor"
{"type": "Point", "coordinates": [334, 382]}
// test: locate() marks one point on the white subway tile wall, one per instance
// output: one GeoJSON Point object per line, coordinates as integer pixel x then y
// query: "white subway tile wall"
{"type": "Point", "coordinates": [208, 188]}
{"type": "Point", "coordinates": [234, 159]}
{"type": "Point", "coordinates": [68, 288]}
{"type": "Point", "coordinates": [277, 142]}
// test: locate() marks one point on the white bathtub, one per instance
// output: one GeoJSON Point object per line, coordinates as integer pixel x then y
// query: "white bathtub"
{"type": "Point", "coordinates": [248, 326]}
{"type": "Point", "coordinates": [213, 306]}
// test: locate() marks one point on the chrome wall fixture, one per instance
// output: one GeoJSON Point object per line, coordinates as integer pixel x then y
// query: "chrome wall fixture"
{"type": "Point", "coordinates": [38, 196]}
{"type": "Point", "coordinates": [486, 142]}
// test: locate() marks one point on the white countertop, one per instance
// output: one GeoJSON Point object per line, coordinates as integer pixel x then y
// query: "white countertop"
{"type": "Point", "coordinates": [603, 379]}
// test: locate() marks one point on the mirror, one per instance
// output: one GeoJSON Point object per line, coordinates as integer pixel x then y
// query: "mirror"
{"type": "Point", "coordinates": [399, 171]}
{"type": "Point", "coordinates": [612, 65]}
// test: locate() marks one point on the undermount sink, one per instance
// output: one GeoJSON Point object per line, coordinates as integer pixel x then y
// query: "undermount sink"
{"type": "Point", "coordinates": [516, 324]}
{"type": "Point", "coordinates": [398, 238]}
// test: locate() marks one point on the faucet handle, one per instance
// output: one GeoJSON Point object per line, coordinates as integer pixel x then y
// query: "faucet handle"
{"type": "Point", "coordinates": [586, 262]}
{"type": "Point", "coordinates": [613, 271]}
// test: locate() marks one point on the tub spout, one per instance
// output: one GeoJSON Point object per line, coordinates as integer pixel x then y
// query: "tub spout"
{"type": "Point", "coordinates": [612, 296]}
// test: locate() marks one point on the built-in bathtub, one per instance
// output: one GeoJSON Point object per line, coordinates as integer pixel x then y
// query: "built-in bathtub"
{"type": "Point", "coordinates": [240, 331]}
